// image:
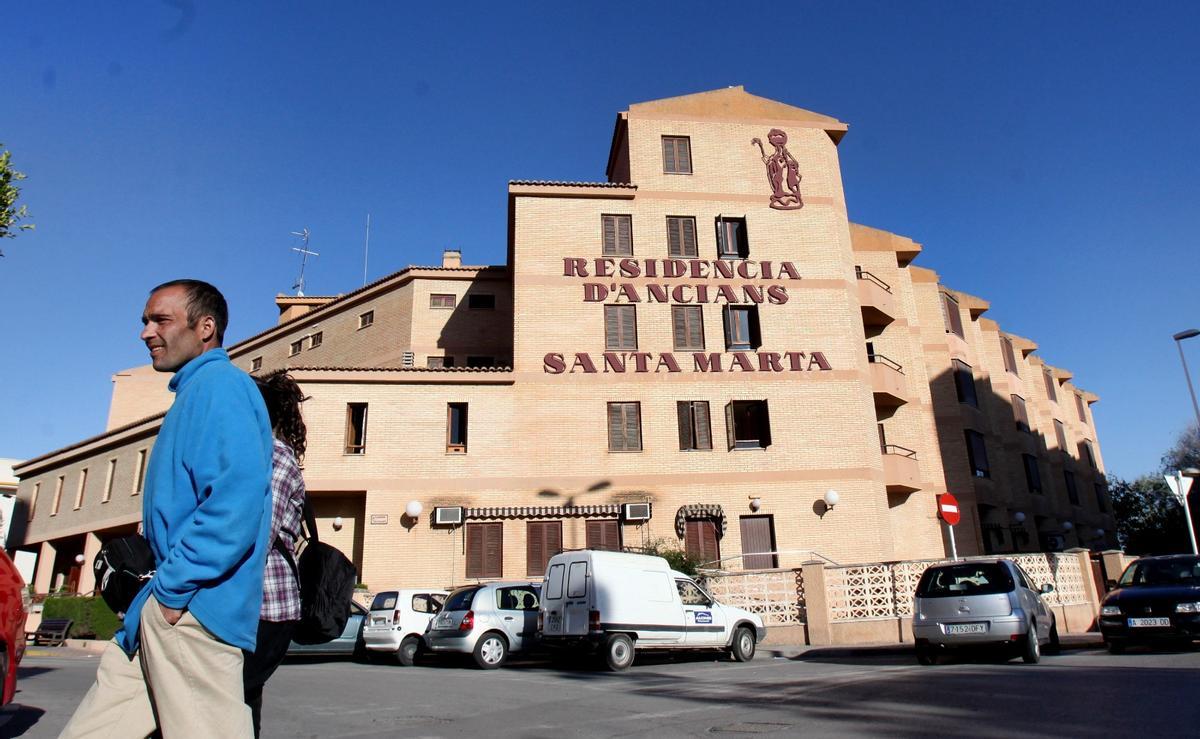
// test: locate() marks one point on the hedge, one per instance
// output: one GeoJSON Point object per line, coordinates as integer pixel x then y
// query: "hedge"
{"type": "Point", "coordinates": [93, 619]}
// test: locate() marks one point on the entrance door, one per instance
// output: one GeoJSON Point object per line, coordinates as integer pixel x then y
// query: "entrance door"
{"type": "Point", "coordinates": [758, 535]}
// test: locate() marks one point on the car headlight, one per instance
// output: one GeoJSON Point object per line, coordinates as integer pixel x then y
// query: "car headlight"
{"type": "Point", "coordinates": [1187, 607]}
{"type": "Point", "coordinates": [1110, 611]}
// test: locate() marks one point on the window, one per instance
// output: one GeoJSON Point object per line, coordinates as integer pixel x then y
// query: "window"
{"type": "Point", "coordinates": [604, 534]}
{"type": "Point", "coordinates": [617, 235]}
{"type": "Point", "coordinates": [79, 492]}
{"type": "Point", "coordinates": [758, 543]}
{"type": "Point", "coordinates": [482, 301]}
{"type": "Point", "coordinates": [256, 364]}
{"type": "Point", "coordinates": [108, 480]}
{"type": "Point", "coordinates": [554, 582]}
{"type": "Point", "coordinates": [1101, 497]}
{"type": "Point", "coordinates": [37, 488]}
{"type": "Point", "coordinates": [485, 549]}
{"type": "Point", "coordinates": [964, 383]}
{"type": "Point", "coordinates": [747, 424]}
{"type": "Point", "coordinates": [456, 428]}
{"type": "Point", "coordinates": [439, 362]}
{"type": "Point", "coordinates": [356, 428]}
{"type": "Point", "coordinates": [577, 580]}
{"type": "Point", "coordinates": [742, 331]}
{"type": "Point", "coordinates": [295, 348]}
{"type": "Point", "coordinates": [1072, 491]}
{"type": "Point", "coordinates": [480, 362]}
{"type": "Point", "coordinates": [1010, 358]}
{"type": "Point", "coordinates": [731, 238]}
{"type": "Point", "coordinates": [687, 324]}
{"type": "Point", "coordinates": [977, 454]}
{"type": "Point", "coordinates": [952, 316]}
{"type": "Point", "coordinates": [139, 482]}
{"type": "Point", "coordinates": [1060, 434]}
{"type": "Point", "coordinates": [441, 300]}
{"type": "Point", "coordinates": [700, 539]}
{"type": "Point", "coordinates": [681, 236]}
{"type": "Point", "coordinates": [1079, 406]}
{"type": "Point", "coordinates": [518, 598]}
{"type": "Point", "coordinates": [624, 427]}
{"type": "Point", "coordinates": [315, 340]}
{"type": "Point", "coordinates": [58, 487]}
{"type": "Point", "coordinates": [690, 594]}
{"type": "Point", "coordinates": [543, 540]}
{"type": "Point", "coordinates": [695, 429]}
{"type": "Point", "coordinates": [620, 328]}
{"type": "Point", "coordinates": [677, 154]}
{"type": "Point", "coordinates": [1033, 478]}
{"type": "Point", "coordinates": [366, 319]}
{"type": "Point", "coordinates": [1020, 413]}
{"type": "Point", "coordinates": [1086, 453]}
{"type": "Point", "coordinates": [1048, 377]}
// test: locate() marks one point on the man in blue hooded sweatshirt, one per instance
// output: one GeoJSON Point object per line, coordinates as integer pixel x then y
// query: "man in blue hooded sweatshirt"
{"type": "Point", "coordinates": [176, 665]}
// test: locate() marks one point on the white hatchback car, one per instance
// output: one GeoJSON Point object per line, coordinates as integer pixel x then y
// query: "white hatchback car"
{"type": "Point", "coordinates": [397, 620]}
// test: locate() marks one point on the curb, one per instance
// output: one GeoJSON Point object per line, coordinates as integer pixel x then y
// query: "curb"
{"type": "Point", "coordinates": [793, 651]}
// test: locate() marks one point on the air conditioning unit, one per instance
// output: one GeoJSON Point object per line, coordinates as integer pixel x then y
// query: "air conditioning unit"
{"type": "Point", "coordinates": [451, 516]}
{"type": "Point", "coordinates": [635, 512]}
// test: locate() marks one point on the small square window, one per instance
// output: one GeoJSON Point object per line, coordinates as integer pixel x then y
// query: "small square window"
{"type": "Point", "coordinates": [624, 427]}
{"type": "Point", "coordinates": [482, 301]}
{"type": "Point", "coordinates": [742, 331]}
{"type": "Point", "coordinates": [442, 300]}
{"type": "Point", "coordinates": [456, 428]}
{"type": "Point", "coordinates": [1033, 478]}
{"type": "Point", "coordinates": [732, 242]}
{"type": "Point", "coordinates": [687, 326]}
{"type": "Point", "coordinates": [356, 428]}
{"type": "Point", "coordinates": [620, 328]}
{"type": "Point", "coordinates": [366, 319]}
{"type": "Point", "coordinates": [256, 364]}
{"type": "Point", "coordinates": [295, 347]}
{"type": "Point", "coordinates": [677, 154]}
{"type": "Point", "coordinates": [964, 383]}
{"type": "Point", "coordinates": [977, 454]}
{"type": "Point", "coordinates": [695, 431]}
{"type": "Point", "coordinates": [617, 235]}
{"type": "Point", "coordinates": [315, 340]}
{"type": "Point", "coordinates": [681, 237]}
{"type": "Point", "coordinates": [747, 424]}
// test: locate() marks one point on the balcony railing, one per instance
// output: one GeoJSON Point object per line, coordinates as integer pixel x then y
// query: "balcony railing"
{"type": "Point", "coordinates": [880, 359]}
{"type": "Point", "coordinates": [876, 298]}
{"type": "Point", "coordinates": [899, 451]}
{"type": "Point", "coordinates": [862, 274]}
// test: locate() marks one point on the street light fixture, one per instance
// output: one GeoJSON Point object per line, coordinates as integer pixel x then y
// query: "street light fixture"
{"type": "Point", "coordinates": [1179, 337]}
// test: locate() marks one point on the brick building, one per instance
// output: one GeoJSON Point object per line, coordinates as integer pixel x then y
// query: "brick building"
{"type": "Point", "coordinates": [697, 349]}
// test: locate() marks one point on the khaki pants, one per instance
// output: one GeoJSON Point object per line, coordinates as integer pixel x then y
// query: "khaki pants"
{"type": "Point", "coordinates": [183, 681]}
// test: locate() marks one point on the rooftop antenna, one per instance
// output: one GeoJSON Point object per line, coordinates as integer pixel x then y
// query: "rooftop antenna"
{"type": "Point", "coordinates": [366, 248]}
{"type": "Point", "coordinates": [304, 255]}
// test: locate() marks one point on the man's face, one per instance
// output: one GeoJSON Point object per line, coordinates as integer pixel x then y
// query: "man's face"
{"type": "Point", "coordinates": [165, 330]}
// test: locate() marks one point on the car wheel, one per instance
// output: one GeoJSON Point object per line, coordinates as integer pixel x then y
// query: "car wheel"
{"type": "Point", "coordinates": [1031, 651]}
{"type": "Point", "coordinates": [926, 656]}
{"type": "Point", "coordinates": [490, 651]}
{"type": "Point", "coordinates": [409, 649]}
{"type": "Point", "coordinates": [743, 645]}
{"type": "Point", "coordinates": [1116, 647]}
{"type": "Point", "coordinates": [1055, 645]}
{"type": "Point", "coordinates": [618, 652]}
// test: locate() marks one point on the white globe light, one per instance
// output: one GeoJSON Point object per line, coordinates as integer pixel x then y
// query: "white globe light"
{"type": "Point", "coordinates": [1067, 525]}
{"type": "Point", "coordinates": [337, 522]}
{"type": "Point", "coordinates": [831, 498]}
{"type": "Point", "coordinates": [414, 508]}
{"type": "Point", "coordinates": [78, 559]}
{"type": "Point", "coordinates": [1099, 532]}
{"type": "Point", "coordinates": [1019, 517]}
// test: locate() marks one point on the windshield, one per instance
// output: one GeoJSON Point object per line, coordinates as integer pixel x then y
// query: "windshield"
{"type": "Point", "coordinates": [460, 600]}
{"type": "Point", "coordinates": [1181, 571]}
{"type": "Point", "coordinates": [984, 578]}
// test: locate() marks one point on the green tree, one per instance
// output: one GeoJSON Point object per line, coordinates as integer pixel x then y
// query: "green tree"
{"type": "Point", "coordinates": [1149, 518]}
{"type": "Point", "coordinates": [10, 214]}
{"type": "Point", "coordinates": [1185, 453]}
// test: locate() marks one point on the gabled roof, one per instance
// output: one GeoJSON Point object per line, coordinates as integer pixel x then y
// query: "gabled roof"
{"type": "Point", "coordinates": [734, 103]}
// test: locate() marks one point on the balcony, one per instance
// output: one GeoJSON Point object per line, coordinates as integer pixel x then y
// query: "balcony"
{"type": "Point", "coordinates": [875, 297]}
{"type": "Point", "coordinates": [901, 473]}
{"type": "Point", "coordinates": [887, 382]}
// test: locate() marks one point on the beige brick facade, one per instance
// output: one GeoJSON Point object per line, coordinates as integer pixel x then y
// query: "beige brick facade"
{"type": "Point", "coordinates": [538, 436]}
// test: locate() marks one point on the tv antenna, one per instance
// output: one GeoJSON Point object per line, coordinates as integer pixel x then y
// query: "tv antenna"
{"type": "Point", "coordinates": [304, 255]}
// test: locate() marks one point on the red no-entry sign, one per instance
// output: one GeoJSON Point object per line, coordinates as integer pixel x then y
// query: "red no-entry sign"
{"type": "Point", "coordinates": [948, 508]}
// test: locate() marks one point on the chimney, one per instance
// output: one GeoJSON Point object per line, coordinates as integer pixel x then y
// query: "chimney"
{"type": "Point", "coordinates": [451, 258]}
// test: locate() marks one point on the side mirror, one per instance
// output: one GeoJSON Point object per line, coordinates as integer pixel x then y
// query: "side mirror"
{"type": "Point", "coordinates": [1046, 588]}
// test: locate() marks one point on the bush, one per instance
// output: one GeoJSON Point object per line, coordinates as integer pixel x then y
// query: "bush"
{"type": "Point", "coordinates": [93, 618]}
{"type": "Point", "coordinates": [676, 557]}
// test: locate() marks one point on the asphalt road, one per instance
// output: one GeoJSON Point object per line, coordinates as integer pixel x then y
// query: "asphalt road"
{"type": "Point", "coordinates": [820, 692]}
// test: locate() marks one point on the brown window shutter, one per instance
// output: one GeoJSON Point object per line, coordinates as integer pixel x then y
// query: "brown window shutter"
{"type": "Point", "coordinates": [692, 544]}
{"type": "Point", "coordinates": [679, 326]}
{"type": "Point", "coordinates": [624, 235]}
{"type": "Point", "coordinates": [683, 154]}
{"type": "Point", "coordinates": [695, 328]}
{"type": "Point", "coordinates": [493, 550]}
{"type": "Point", "coordinates": [535, 546]}
{"type": "Point", "coordinates": [612, 327]}
{"type": "Point", "coordinates": [604, 534]}
{"type": "Point", "coordinates": [703, 425]}
{"type": "Point", "coordinates": [764, 424]}
{"type": "Point", "coordinates": [683, 410]}
{"type": "Point", "coordinates": [731, 437]}
{"type": "Point", "coordinates": [628, 327]}
{"type": "Point", "coordinates": [674, 237]}
{"type": "Point", "coordinates": [610, 234]}
{"type": "Point", "coordinates": [689, 237]}
{"type": "Point", "coordinates": [633, 427]}
{"type": "Point", "coordinates": [623, 429]}
{"type": "Point", "coordinates": [668, 154]}
{"type": "Point", "coordinates": [475, 536]}
{"type": "Point", "coordinates": [757, 536]}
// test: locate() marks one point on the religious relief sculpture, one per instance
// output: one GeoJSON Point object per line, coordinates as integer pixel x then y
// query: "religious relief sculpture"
{"type": "Point", "coordinates": [779, 163]}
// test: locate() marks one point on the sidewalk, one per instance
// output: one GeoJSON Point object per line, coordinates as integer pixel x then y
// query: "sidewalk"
{"type": "Point", "coordinates": [1068, 642]}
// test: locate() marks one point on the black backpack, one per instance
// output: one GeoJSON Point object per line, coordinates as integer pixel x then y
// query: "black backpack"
{"type": "Point", "coordinates": [327, 580]}
{"type": "Point", "coordinates": [122, 567]}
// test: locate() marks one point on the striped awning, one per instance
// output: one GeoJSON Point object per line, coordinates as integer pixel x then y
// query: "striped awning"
{"type": "Point", "coordinates": [700, 510]}
{"type": "Point", "coordinates": [557, 511]}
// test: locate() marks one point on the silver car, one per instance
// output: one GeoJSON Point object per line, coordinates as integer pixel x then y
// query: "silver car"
{"type": "Point", "coordinates": [488, 621]}
{"type": "Point", "coordinates": [979, 603]}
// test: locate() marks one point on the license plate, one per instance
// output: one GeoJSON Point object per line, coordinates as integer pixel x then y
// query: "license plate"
{"type": "Point", "coordinates": [1136, 622]}
{"type": "Point", "coordinates": [378, 620]}
{"type": "Point", "coordinates": [966, 628]}
{"type": "Point", "coordinates": [554, 622]}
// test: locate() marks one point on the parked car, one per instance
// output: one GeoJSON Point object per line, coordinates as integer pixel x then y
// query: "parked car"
{"type": "Point", "coordinates": [1156, 600]}
{"type": "Point", "coordinates": [398, 621]}
{"type": "Point", "coordinates": [980, 603]}
{"type": "Point", "coordinates": [14, 606]}
{"type": "Point", "coordinates": [350, 642]}
{"type": "Point", "coordinates": [488, 621]}
{"type": "Point", "coordinates": [616, 603]}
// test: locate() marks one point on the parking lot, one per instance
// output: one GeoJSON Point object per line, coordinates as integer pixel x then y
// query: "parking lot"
{"type": "Point", "coordinates": [814, 692]}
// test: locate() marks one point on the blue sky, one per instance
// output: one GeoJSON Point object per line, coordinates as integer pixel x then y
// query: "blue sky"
{"type": "Point", "coordinates": [1045, 154]}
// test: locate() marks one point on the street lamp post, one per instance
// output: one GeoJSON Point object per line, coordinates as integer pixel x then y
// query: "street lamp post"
{"type": "Point", "coordinates": [1179, 337]}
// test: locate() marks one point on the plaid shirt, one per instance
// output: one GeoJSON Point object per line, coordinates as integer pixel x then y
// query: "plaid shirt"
{"type": "Point", "coordinates": [281, 592]}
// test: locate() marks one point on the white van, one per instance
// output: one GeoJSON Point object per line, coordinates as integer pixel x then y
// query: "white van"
{"type": "Point", "coordinates": [616, 602]}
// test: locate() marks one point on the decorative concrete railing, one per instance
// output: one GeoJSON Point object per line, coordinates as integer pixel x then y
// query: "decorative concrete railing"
{"type": "Point", "coordinates": [776, 595]}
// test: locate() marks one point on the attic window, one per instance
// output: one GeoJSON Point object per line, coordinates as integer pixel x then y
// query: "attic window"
{"type": "Point", "coordinates": [366, 319]}
{"type": "Point", "coordinates": [677, 154]}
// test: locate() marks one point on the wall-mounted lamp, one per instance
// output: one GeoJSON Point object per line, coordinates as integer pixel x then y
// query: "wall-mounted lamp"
{"type": "Point", "coordinates": [337, 523]}
{"type": "Point", "coordinates": [78, 559]}
{"type": "Point", "coordinates": [1067, 526]}
{"type": "Point", "coordinates": [1019, 517]}
{"type": "Point", "coordinates": [831, 499]}
{"type": "Point", "coordinates": [413, 509]}
{"type": "Point", "coordinates": [1099, 533]}
{"type": "Point", "coordinates": [755, 503]}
